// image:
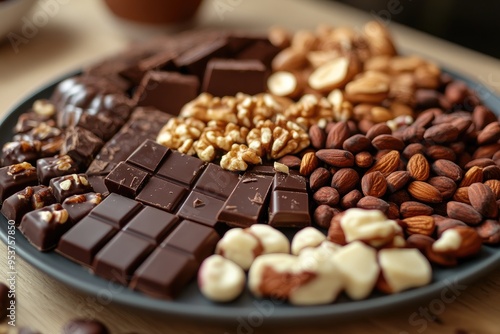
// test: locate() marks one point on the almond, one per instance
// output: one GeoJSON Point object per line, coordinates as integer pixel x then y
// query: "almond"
{"type": "Point", "coordinates": [387, 164]}
{"type": "Point", "coordinates": [373, 203]}
{"type": "Point", "coordinates": [356, 144]}
{"type": "Point", "coordinates": [473, 175]}
{"type": "Point", "coordinates": [337, 134]}
{"type": "Point", "coordinates": [388, 142]}
{"type": "Point", "coordinates": [412, 209]}
{"type": "Point", "coordinates": [332, 74]}
{"type": "Point", "coordinates": [482, 116]}
{"type": "Point", "coordinates": [351, 199]}
{"type": "Point", "coordinates": [413, 149]}
{"type": "Point", "coordinates": [419, 225]}
{"type": "Point", "coordinates": [326, 195]}
{"type": "Point", "coordinates": [336, 158]}
{"type": "Point", "coordinates": [335, 232]}
{"type": "Point", "coordinates": [483, 200]}
{"type": "Point", "coordinates": [345, 180]}
{"type": "Point", "coordinates": [291, 161]}
{"type": "Point", "coordinates": [491, 173]}
{"type": "Point", "coordinates": [393, 211]}
{"type": "Point", "coordinates": [425, 192]}
{"type": "Point", "coordinates": [308, 164]}
{"type": "Point", "coordinates": [425, 118]}
{"type": "Point", "coordinates": [436, 152]}
{"type": "Point", "coordinates": [399, 197]}
{"type": "Point", "coordinates": [462, 195]}
{"type": "Point", "coordinates": [445, 185]}
{"type": "Point", "coordinates": [288, 60]}
{"type": "Point", "coordinates": [463, 212]}
{"type": "Point", "coordinates": [489, 232]}
{"type": "Point", "coordinates": [494, 186]}
{"type": "Point", "coordinates": [413, 134]}
{"type": "Point", "coordinates": [397, 180]}
{"type": "Point", "coordinates": [378, 129]}
{"type": "Point", "coordinates": [447, 223]}
{"type": "Point", "coordinates": [418, 167]}
{"type": "Point", "coordinates": [441, 133]}
{"type": "Point", "coordinates": [319, 178]}
{"type": "Point", "coordinates": [317, 137]}
{"type": "Point", "coordinates": [486, 151]}
{"type": "Point", "coordinates": [374, 184]}
{"type": "Point", "coordinates": [482, 162]}
{"type": "Point", "coordinates": [471, 242]}
{"type": "Point", "coordinates": [490, 134]}
{"type": "Point", "coordinates": [323, 215]}
{"type": "Point", "coordinates": [363, 159]}
{"type": "Point", "coordinates": [447, 168]}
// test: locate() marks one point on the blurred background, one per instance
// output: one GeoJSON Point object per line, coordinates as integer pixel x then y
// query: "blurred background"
{"type": "Point", "coordinates": [473, 24]}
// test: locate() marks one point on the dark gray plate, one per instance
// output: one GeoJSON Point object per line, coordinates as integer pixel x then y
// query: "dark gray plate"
{"type": "Point", "coordinates": [192, 304]}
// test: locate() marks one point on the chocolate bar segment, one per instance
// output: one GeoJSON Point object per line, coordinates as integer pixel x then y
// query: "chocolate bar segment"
{"type": "Point", "coordinates": [85, 239]}
{"type": "Point", "coordinates": [193, 238]}
{"type": "Point", "coordinates": [49, 168]}
{"type": "Point", "coordinates": [227, 77]}
{"type": "Point", "coordinates": [79, 206]}
{"type": "Point", "coordinates": [148, 156]}
{"type": "Point", "coordinates": [81, 145]}
{"type": "Point", "coordinates": [246, 204]}
{"type": "Point", "coordinates": [158, 62]}
{"type": "Point", "coordinates": [15, 178]}
{"type": "Point", "coordinates": [217, 182]}
{"type": "Point", "coordinates": [44, 227]}
{"type": "Point", "coordinates": [159, 280]}
{"type": "Point", "coordinates": [162, 194]}
{"type": "Point", "coordinates": [17, 152]}
{"type": "Point", "coordinates": [201, 208]}
{"type": "Point", "coordinates": [152, 224]}
{"type": "Point", "coordinates": [167, 91]}
{"type": "Point", "coordinates": [116, 210]}
{"type": "Point", "coordinates": [181, 168]}
{"type": "Point", "coordinates": [126, 180]}
{"type": "Point", "coordinates": [118, 260]}
{"type": "Point", "coordinates": [69, 185]}
{"type": "Point", "coordinates": [26, 200]}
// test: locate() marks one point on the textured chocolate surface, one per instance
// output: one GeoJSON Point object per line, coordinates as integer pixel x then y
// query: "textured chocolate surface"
{"type": "Point", "coordinates": [21, 151]}
{"type": "Point", "coordinates": [49, 168]}
{"type": "Point", "coordinates": [126, 180]}
{"type": "Point", "coordinates": [81, 145]}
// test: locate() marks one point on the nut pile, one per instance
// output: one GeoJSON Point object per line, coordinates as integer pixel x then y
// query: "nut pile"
{"type": "Point", "coordinates": [355, 74]}
{"type": "Point", "coordinates": [243, 129]}
{"type": "Point", "coordinates": [318, 270]}
{"type": "Point", "coordinates": [440, 173]}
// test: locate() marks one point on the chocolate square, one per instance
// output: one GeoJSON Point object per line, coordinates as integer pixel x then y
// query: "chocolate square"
{"type": "Point", "coordinates": [69, 185]}
{"type": "Point", "coordinates": [49, 168]}
{"type": "Point", "coordinates": [162, 194]}
{"type": "Point", "coordinates": [148, 156]}
{"type": "Point", "coordinates": [79, 206]}
{"type": "Point", "coordinates": [181, 168]}
{"type": "Point", "coordinates": [116, 210]}
{"type": "Point", "coordinates": [289, 209]}
{"type": "Point", "coordinates": [126, 180]}
{"type": "Point", "coordinates": [152, 224]}
{"type": "Point", "coordinates": [201, 208]}
{"type": "Point", "coordinates": [15, 178]}
{"type": "Point", "coordinates": [217, 182]}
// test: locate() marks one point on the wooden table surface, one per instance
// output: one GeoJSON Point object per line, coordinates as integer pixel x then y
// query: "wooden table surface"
{"type": "Point", "coordinates": [80, 32]}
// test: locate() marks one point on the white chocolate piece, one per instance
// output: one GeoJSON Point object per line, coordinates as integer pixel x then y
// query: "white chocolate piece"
{"type": "Point", "coordinates": [240, 247]}
{"type": "Point", "coordinates": [366, 225]}
{"type": "Point", "coordinates": [328, 283]}
{"type": "Point", "coordinates": [307, 237]}
{"type": "Point", "coordinates": [358, 266]}
{"type": "Point", "coordinates": [271, 239]}
{"type": "Point", "coordinates": [450, 240]}
{"type": "Point", "coordinates": [220, 279]}
{"type": "Point", "coordinates": [404, 268]}
{"type": "Point", "coordinates": [281, 263]}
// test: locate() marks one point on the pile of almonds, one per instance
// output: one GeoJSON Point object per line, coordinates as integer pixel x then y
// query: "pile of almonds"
{"type": "Point", "coordinates": [440, 173]}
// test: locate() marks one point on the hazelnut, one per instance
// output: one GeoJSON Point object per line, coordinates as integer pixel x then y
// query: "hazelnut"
{"type": "Point", "coordinates": [240, 247]}
{"type": "Point", "coordinates": [220, 279]}
{"type": "Point", "coordinates": [307, 237]}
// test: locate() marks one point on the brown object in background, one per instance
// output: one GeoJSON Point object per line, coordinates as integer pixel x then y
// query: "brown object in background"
{"type": "Point", "coordinates": [154, 11]}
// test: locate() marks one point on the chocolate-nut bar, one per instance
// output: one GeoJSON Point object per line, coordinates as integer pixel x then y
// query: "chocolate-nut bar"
{"type": "Point", "coordinates": [79, 206]}
{"type": "Point", "coordinates": [26, 200]}
{"type": "Point", "coordinates": [16, 177]}
{"type": "Point", "coordinates": [16, 152]}
{"type": "Point", "coordinates": [44, 227]}
{"type": "Point", "coordinates": [69, 185]}
{"type": "Point", "coordinates": [81, 145]}
{"type": "Point", "coordinates": [49, 168]}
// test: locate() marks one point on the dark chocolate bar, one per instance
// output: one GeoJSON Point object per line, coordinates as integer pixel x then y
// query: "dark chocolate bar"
{"type": "Point", "coordinates": [26, 200]}
{"type": "Point", "coordinates": [15, 178]}
{"type": "Point", "coordinates": [79, 206]}
{"type": "Point", "coordinates": [49, 168]}
{"type": "Point", "coordinates": [69, 185]}
{"type": "Point", "coordinates": [17, 152]}
{"type": "Point", "coordinates": [81, 145]}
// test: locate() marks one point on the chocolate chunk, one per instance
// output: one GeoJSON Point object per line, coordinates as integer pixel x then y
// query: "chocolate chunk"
{"type": "Point", "coordinates": [44, 227]}
{"type": "Point", "coordinates": [84, 326]}
{"type": "Point", "coordinates": [15, 178]}
{"type": "Point", "coordinates": [193, 238]}
{"type": "Point", "coordinates": [201, 208]}
{"type": "Point", "coordinates": [162, 194]}
{"type": "Point", "coordinates": [152, 224]}
{"type": "Point", "coordinates": [42, 132]}
{"type": "Point", "coordinates": [85, 239]}
{"type": "Point", "coordinates": [116, 210]}
{"type": "Point", "coordinates": [97, 183]}
{"type": "Point", "coordinates": [217, 182]}
{"type": "Point", "coordinates": [245, 206]}
{"type": "Point", "coordinates": [78, 206]}
{"type": "Point", "coordinates": [49, 168]}
{"type": "Point", "coordinates": [291, 182]}
{"type": "Point", "coordinates": [227, 77]}
{"type": "Point", "coordinates": [144, 123]}
{"type": "Point", "coordinates": [181, 168]}
{"type": "Point", "coordinates": [263, 169]}
{"type": "Point", "coordinates": [30, 120]}
{"type": "Point", "coordinates": [261, 50]}
{"type": "Point", "coordinates": [289, 209]}
{"type": "Point", "coordinates": [5, 301]}
{"type": "Point", "coordinates": [26, 200]}
{"type": "Point", "coordinates": [167, 91]}
{"type": "Point", "coordinates": [118, 260]}
{"type": "Point", "coordinates": [69, 185]}
{"type": "Point", "coordinates": [159, 280]}
{"type": "Point", "coordinates": [102, 125]}
{"type": "Point", "coordinates": [157, 62]}
{"type": "Point", "coordinates": [148, 156]}
{"type": "Point", "coordinates": [240, 40]}
{"type": "Point", "coordinates": [195, 60]}
{"type": "Point", "coordinates": [81, 145]}
{"type": "Point", "coordinates": [21, 151]}
{"type": "Point", "coordinates": [126, 180]}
